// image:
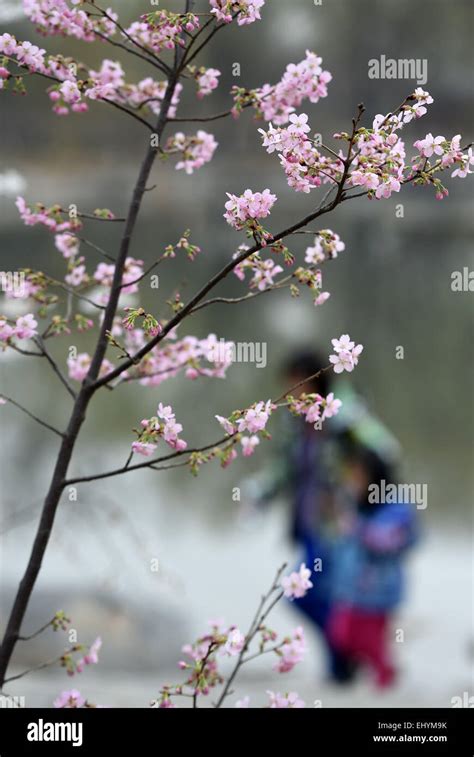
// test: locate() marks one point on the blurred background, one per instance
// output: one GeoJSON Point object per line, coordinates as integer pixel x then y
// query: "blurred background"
{"type": "Point", "coordinates": [391, 287]}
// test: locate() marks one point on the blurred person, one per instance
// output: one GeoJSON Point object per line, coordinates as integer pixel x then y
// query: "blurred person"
{"type": "Point", "coordinates": [306, 470]}
{"type": "Point", "coordinates": [367, 571]}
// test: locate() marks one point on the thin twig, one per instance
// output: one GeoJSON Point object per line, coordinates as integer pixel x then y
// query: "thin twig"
{"type": "Point", "coordinates": [32, 416]}
{"type": "Point", "coordinates": [39, 341]}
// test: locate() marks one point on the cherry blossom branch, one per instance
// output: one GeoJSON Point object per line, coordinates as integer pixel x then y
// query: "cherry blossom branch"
{"type": "Point", "coordinates": [75, 293]}
{"type": "Point", "coordinates": [187, 309]}
{"type": "Point", "coordinates": [128, 112]}
{"type": "Point", "coordinates": [38, 632]}
{"type": "Point", "coordinates": [45, 352]}
{"type": "Point", "coordinates": [42, 666]}
{"type": "Point", "coordinates": [216, 279]}
{"type": "Point", "coordinates": [259, 618]}
{"type": "Point", "coordinates": [21, 351]}
{"type": "Point", "coordinates": [150, 56]}
{"type": "Point", "coordinates": [95, 247]}
{"type": "Point", "coordinates": [228, 439]}
{"type": "Point", "coordinates": [31, 415]}
{"type": "Point", "coordinates": [77, 418]}
{"type": "Point", "coordinates": [205, 42]}
{"type": "Point", "coordinates": [154, 61]}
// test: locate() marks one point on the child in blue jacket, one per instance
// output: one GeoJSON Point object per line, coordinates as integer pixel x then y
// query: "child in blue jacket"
{"type": "Point", "coordinates": [368, 571]}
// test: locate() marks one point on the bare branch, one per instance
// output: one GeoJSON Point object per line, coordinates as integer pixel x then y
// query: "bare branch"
{"type": "Point", "coordinates": [44, 351]}
{"type": "Point", "coordinates": [32, 416]}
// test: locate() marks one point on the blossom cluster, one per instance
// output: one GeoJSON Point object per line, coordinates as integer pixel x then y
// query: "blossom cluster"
{"type": "Point", "coordinates": [24, 328]}
{"type": "Point", "coordinates": [51, 217]}
{"type": "Point", "coordinates": [207, 357]}
{"type": "Point", "coordinates": [162, 30]}
{"type": "Point", "coordinates": [312, 279]}
{"type": "Point", "coordinates": [244, 210]}
{"type": "Point", "coordinates": [207, 80]}
{"type": "Point", "coordinates": [76, 84]}
{"type": "Point", "coordinates": [202, 657]}
{"type": "Point", "coordinates": [108, 83]}
{"type": "Point", "coordinates": [346, 355]}
{"type": "Point", "coordinates": [327, 245]}
{"type": "Point", "coordinates": [195, 151]}
{"type": "Point", "coordinates": [71, 699]}
{"type": "Point", "coordinates": [445, 154]}
{"type": "Point", "coordinates": [132, 274]}
{"type": "Point", "coordinates": [300, 81]}
{"type": "Point", "coordinates": [263, 271]}
{"type": "Point", "coordinates": [67, 244]}
{"type": "Point", "coordinates": [315, 408]}
{"type": "Point", "coordinates": [290, 701]}
{"type": "Point", "coordinates": [90, 656]}
{"type": "Point", "coordinates": [78, 366]}
{"type": "Point", "coordinates": [164, 426]}
{"type": "Point", "coordinates": [304, 165]}
{"type": "Point", "coordinates": [57, 17]}
{"type": "Point", "coordinates": [292, 650]}
{"type": "Point", "coordinates": [248, 10]}
{"type": "Point", "coordinates": [377, 159]}
{"type": "Point", "coordinates": [252, 421]}
{"type": "Point", "coordinates": [297, 583]}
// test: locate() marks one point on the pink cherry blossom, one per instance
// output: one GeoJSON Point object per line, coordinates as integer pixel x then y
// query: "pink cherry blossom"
{"type": "Point", "coordinates": [291, 653]}
{"type": "Point", "coordinates": [164, 426]}
{"type": "Point", "coordinates": [304, 164]}
{"type": "Point", "coordinates": [467, 160]}
{"type": "Point", "coordinates": [299, 124]}
{"type": "Point", "coordinates": [248, 207]}
{"type": "Point", "coordinates": [343, 343]}
{"type": "Point", "coordinates": [78, 366]}
{"type": "Point", "coordinates": [67, 244]}
{"type": "Point", "coordinates": [327, 245]}
{"type": "Point", "coordinates": [228, 427]}
{"type": "Point", "coordinates": [26, 326]}
{"type": "Point", "coordinates": [255, 418]}
{"type": "Point", "coordinates": [163, 30]}
{"type": "Point", "coordinates": [195, 151]}
{"type": "Point", "coordinates": [76, 276]}
{"type": "Point", "coordinates": [301, 81]}
{"type": "Point", "coordinates": [248, 10]}
{"type": "Point", "coordinates": [69, 699]}
{"type": "Point", "coordinates": [208, 80]}
{"type": "Point", "coordinates": [167, 704]}
{"type": "Point", "coordinates": [235, 643]}
{"type": "Point", "coordinates": [263, 271]}
{"type": "Point", "coordinates": [342, 361]}
{"type": "Point", "coordinates": [249, 443]}
{"type": "Point", "coordinates": [331, 406]}
{"type": "Point", "coordinates": [92, 656]}
{"type": "Point", "coordinates": [286, 701]}
{"type": "Point", "coordinates": [347, 354]}
{"type": "Point", "coordinates": [430, 145]}
{"type": "Point", "coordinates": [144, 448]}
{"type": "Point", "coordinates": [6, 331]}
{"type": "Point", "coordinates": [297, 584]}
{"type": "Point", "coordinates": [322, 298]}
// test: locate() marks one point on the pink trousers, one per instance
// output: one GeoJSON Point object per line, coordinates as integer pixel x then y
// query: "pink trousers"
{"type": "Point", "coordinates": [363, 636]}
